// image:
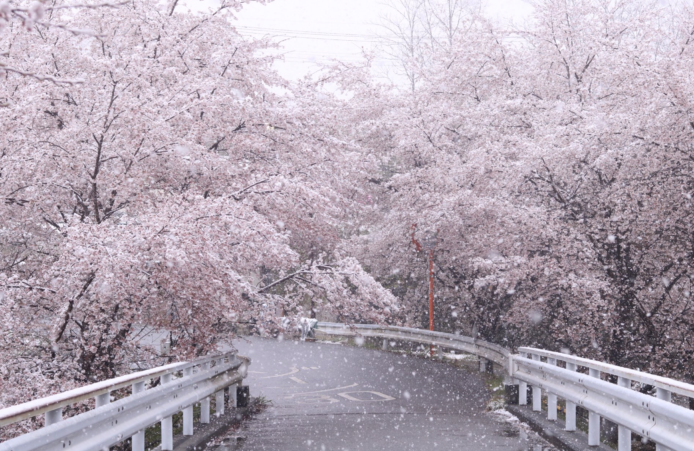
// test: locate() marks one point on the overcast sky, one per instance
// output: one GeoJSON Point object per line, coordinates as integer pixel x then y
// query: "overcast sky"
{"type": "Point", "coordinates": [320, 30]}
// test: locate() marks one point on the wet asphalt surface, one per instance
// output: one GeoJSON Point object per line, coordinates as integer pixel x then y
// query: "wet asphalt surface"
{"type": "Point", "coordinates": [334, 397]}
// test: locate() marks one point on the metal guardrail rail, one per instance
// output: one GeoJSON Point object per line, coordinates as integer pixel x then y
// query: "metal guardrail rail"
{"type": "Point", "coordinates": [489, 351]}
{"type": "Point", "coordinates": [663, 383]}
{"type": "Point", "coordinates": [564, 376]}
{"type": "Point", "coordinates": [110, 423]}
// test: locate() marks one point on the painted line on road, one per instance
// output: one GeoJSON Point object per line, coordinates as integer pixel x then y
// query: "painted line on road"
{"type": "Point", "coordinates": [293, 371]}
{"type": "Point", "coordinates": [319, 391]}
{"type": "Point", "coordinates": [297, 380]}
{"type": "Point", "coordinates": [347, 395]}
{"type": "Point", "coordinates": [317, 399]}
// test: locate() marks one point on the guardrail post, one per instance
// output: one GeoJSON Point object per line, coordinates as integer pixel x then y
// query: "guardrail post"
{"type": "Point", "coordinates": [219, 396]}
{"type": "Point", "coordinates": [522, 393]}
{"type": "Point", "coordinates": [205, 403]}
{"type": "Point", "coordinates": [537, 392]}
{"type": "Point", "coordinates": [384, 346]}
{"type": "Point", "coordinates": [483, 364]}
{"type": "Point", "coordinates": [233, 396]}
{"type": "Point", "coordinates": [623, 434]}
{"type": "Point", "coordinates": [551, 398]}
{"type": "Point", "coordinates": [53, 416]}
{"type": "Point", "coordinates": [138, 440]}
{"type": "Point", "coordinates": [593, 419]}
{"type": "Point", "coordinates": [166, 423]}
{"type": "Point", "coordinates": [665, 395]}
{"type": "Point", "coordinates": [522, 388]}
{"type": "Point", "coordinates": [102, 399]}
{"type": "Point", "coordinates": [570, 406]}
{"type": "Point", "coordinates": [219, 403]}
{"type": "Point", "coordinates": [188, 411]}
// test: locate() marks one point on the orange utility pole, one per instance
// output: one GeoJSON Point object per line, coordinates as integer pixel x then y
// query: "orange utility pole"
{"type": "Point", "coordinates": [431, 289]}
{"type": "Point", "coordinates": [430, 244]}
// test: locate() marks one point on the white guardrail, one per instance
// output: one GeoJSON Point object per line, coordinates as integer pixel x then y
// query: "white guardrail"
{"type": "Point", "coordinates": [110, 423]}
{"type": "Point", "coordinates": [580, 382]}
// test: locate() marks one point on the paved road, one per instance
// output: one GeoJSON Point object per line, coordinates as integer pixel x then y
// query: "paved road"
{"type": "Point", "coordinates": [334, 397]}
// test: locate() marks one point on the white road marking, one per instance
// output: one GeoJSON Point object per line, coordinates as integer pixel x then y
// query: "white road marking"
{"type": "Point", "coordinates": [293, 371]}
{"type": "Point", "coordinates": [320, 391]}
{"type": "Point", "coordinates": [297, 380]}
{"type": "Point", "coordinates": [317, 399]}
{"type": "Point", "coordinates": [347, 395]}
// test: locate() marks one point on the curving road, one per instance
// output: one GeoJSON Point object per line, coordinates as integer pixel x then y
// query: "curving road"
{"type": "Point", "coordinates": [334, 397]}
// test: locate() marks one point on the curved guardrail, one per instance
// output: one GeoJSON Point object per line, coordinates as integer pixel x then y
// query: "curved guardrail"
{"type": "Point", "coordinates": [497, 354]}
{"type": "Point", "coordinates": [580, 382]}
{"type": "Point", "coordinates": [110, 423]}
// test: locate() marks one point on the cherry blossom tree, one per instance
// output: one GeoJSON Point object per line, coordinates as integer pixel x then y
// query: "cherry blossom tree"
{"type": "Point", "coordinates": [173, 191]}
{"type": "Point", "coordinates": [553, 161]}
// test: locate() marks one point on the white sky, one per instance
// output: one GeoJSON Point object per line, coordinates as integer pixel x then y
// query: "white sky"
{"type": "Point", "coordinates": [321, 30]}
